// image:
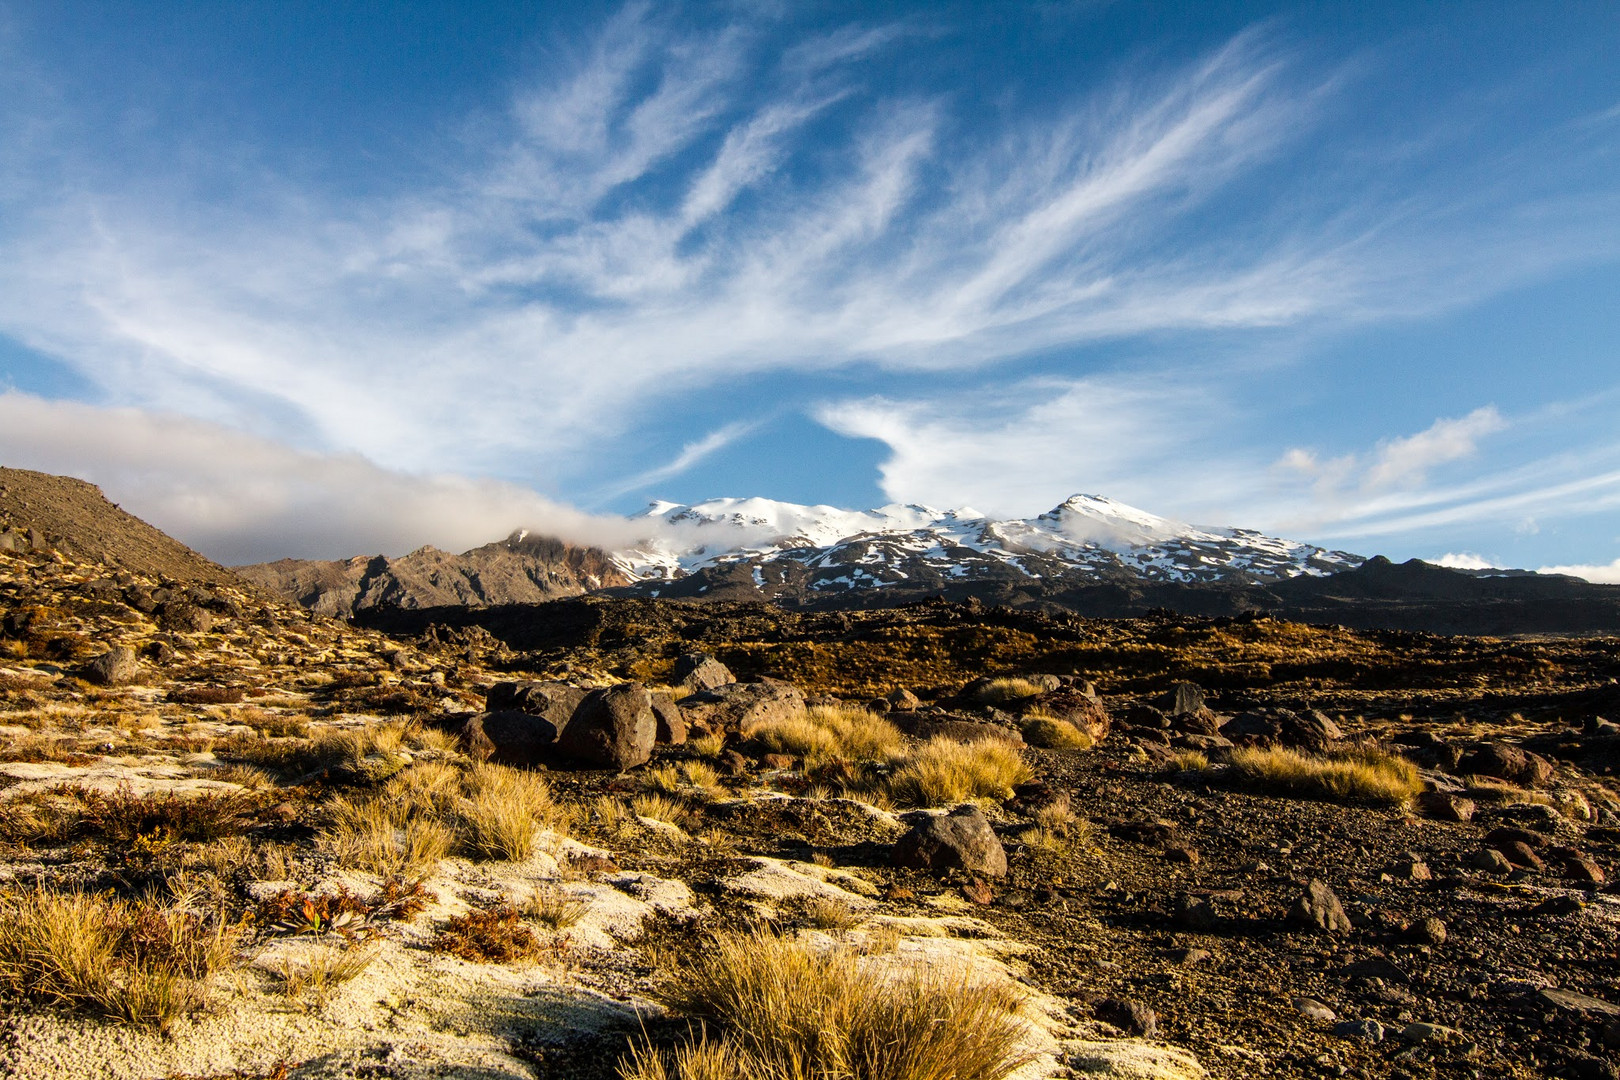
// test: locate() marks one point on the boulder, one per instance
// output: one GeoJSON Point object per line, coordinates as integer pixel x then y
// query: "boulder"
{"type": "Point", "coordinates": [959, 840]}
{"type": "Point", "coordinates": [1320, 909]}
{"type": "Point", "coordinates": [1182, 698]}
{"type": "Point", "coordinates": [737, 706]}
{"type": "Point", "coordinates": [612, 729]}
{"type": "Point", "coordinates": [509, 737]}
{"type": "Point", "coordinates": [554, 702]}
{"type": "Point", "coordinates": [1080, 709]}
{"type": "Point", "coordinates": [1252, 725]}
{"type": "Point", "coordinates": [181, 616]}
{"type": "Point", "coordinates": [1508, 763]}
{"type": "Point", "coordinates": [1444, 806]}
{"type": "Point", "coordinates": [671, 723]}
{"type": "Point", "coordinates": [113, 667]}
{"type": "Point", "coordinates": [700, 671]}
{"type": "Point", "coordinates": [1131, 1017]}
{"type": "Point", "coordinates": [1146, 716]}
{"type": "Point", "coordinates": [903, 700]}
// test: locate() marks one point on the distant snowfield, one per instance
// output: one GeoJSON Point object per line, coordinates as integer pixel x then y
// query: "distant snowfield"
{"type": "Point", "coordinates": [1084, 532]}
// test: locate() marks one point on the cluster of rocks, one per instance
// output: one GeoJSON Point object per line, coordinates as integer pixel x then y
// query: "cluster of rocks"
{"type": "Point", "coordinates": [617, 727]}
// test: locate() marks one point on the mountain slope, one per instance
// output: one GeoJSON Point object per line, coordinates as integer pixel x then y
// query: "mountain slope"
{"type": "Point", "coordinates": [522, 569]}
{"type": "Point", "coordinates": [39, 510]}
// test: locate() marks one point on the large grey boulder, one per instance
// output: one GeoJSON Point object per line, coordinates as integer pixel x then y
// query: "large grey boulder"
{"type": "Point", "coordinates": [113, 667]}
{"type": "Point", "coordinates": [509, 737]}
{"type": "Point", "coordinates": [960, 840]}
{"type": "Point", "coordinates": [671, 724]}
{"type": "Point", "coordinates": [613, 729]}
{"type": "Point", "coordinates": [555, 702]}
{"type": "Point", "coordinates": [1508, 763]}
{"type": "Point", "coordinates": [1182, 698]}
{"type": "Point", "coordinates": [738, 706]}
{"type": "Point", "coordinates": [700, 671]}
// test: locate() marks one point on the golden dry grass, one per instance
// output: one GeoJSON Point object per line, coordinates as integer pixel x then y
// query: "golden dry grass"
{"type": "Point", "coordinates": [709, 746]}
{"type": "Point", "coordinates": [826, 733]}
{"type": "Point", "coordinates": [504, 809]}
{"type": "Point", "coordinates": [320, 970]}
{"type": "Point", "coordinates": [787, 1011]}
{"type": "Point", "coordinates": [1188, 761]}
{"type": "Point", "coordinates": [1050, 733]}
{"type": "Point", "coordinates": [1363, 774]}
{"type": "Point", "coordinates": [136, 962]}
{"type": "Point", "coordinates": [658, 808]}
{"type": "Point", "coordinates": [1006, 691]}
{"type": "Point", "coordinates": [943, 771]}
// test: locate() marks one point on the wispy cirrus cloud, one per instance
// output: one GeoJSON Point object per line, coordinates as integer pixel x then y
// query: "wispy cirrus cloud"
{"type": "Point", "coordinates": [663, 211]}
{"type": "Point", "coordinates": [671, 209]}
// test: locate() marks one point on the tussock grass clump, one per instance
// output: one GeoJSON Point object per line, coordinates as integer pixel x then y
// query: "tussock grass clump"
{"type": "Point", "coordinates": [1188, 761]}
{"type": "Point", "coordinates": [1362, 774]}
{"type": "Point", "coordinates": [434, 808]}
{"type": "Point", "coordinates": [658, 808]}
{"type": "Point", "coordinates": [123, 817]}
{"type": "Point", "coordinates": [1007, 691]}
{"type": "Point", "coordinates": [1050, 733]}
{"type": "Point", "coordinates": [130, 961]}
{"type": "Point", "coordinates": [943, 771]}
{"type": "Point", "coordinates": [387, 835]}
{"type": "Point", "coordinates": [826, 733]}
{"type": "Point", "coordinates": [786, 1011]}
{"type": "Point", "coordinates": [555, 909]}
{"type": "Point", "coordinates": [505, 807]}
{"type": "Point", "coordinates": [321, 970]}
{"type": "Point", "coordinates": [710, 745]}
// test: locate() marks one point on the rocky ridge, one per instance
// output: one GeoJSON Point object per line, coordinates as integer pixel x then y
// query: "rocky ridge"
{"type": "Point", "coordinates": [521, 569]}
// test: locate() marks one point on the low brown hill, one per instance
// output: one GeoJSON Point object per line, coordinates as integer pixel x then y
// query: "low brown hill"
{"type": "Point", "coordinates": [521, 569]}
{"type": "Point", "coordinates": [40, 511]}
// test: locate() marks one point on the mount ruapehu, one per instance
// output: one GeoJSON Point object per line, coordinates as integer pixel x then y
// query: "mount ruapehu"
{"type": "Point", "coordinates": [1089, 555]}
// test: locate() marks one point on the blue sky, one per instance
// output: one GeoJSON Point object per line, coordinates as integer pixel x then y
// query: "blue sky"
{"type": "Point", "coordinates": [322, 279]}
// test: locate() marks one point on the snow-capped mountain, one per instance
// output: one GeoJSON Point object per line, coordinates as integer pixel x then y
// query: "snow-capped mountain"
{"type": "Point", "coordinates": [786, 548]}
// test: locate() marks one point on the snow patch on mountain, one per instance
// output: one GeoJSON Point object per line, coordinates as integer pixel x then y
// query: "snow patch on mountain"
{"type": "Point", "coordinates": [1085, 536]}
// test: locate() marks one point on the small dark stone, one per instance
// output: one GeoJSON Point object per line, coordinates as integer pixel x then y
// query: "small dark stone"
{"type": "Point", "coordinates": [1193, 912]}
{"type": "Point", "coordinates": [1320, 908]}
{"type": "Point", "coordinates": [979, 892]}
{"type": "Point", "coordinates": [1442, 806]}
{"type": "Point", "coordinates": [1430, 931]}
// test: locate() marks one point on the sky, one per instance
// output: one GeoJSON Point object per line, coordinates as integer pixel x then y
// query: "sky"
{"type": "Point", "coordinates": [315, 279]}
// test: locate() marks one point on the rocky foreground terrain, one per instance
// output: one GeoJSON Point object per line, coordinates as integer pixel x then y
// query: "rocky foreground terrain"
{"type": "Point", "coordinates": [238, 839]}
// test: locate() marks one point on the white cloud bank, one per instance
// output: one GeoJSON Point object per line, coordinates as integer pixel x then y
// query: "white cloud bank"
{"type": "Point", "coordinates": [1601, 575]}
{"type": "Point", "coordinates": [239, 498]}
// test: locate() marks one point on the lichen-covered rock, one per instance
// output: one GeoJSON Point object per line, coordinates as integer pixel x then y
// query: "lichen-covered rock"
{"type": "Point", "coordinates": [960, 840]}
{"type": "Point", "coordinates": [114, 667]}
{"type": "Point", "coordinates": [737, 706]}
{"type": "Point", "coordinates": [700, 671]}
